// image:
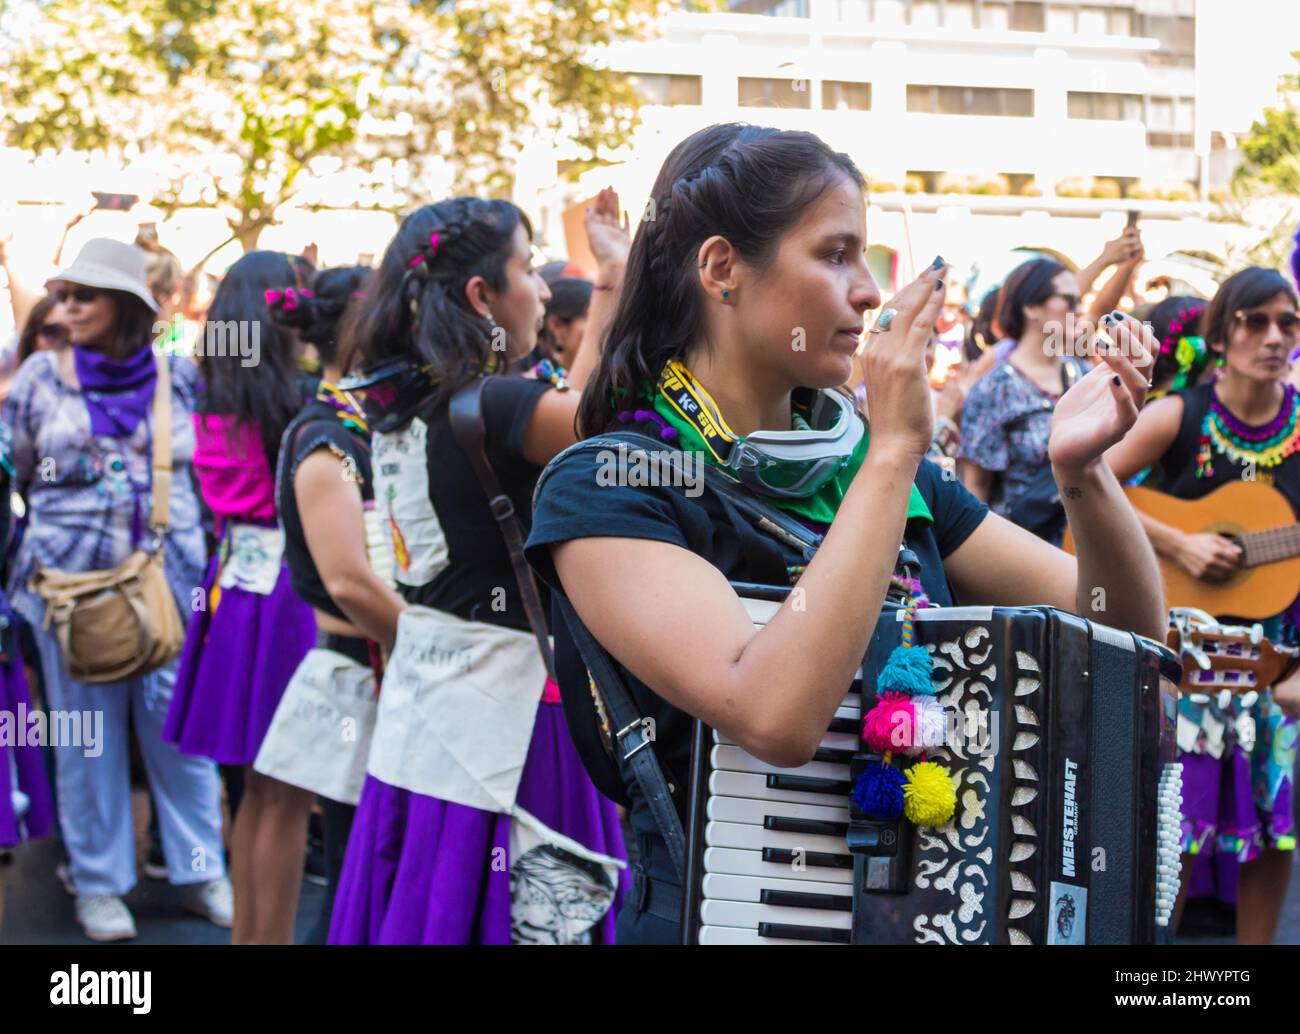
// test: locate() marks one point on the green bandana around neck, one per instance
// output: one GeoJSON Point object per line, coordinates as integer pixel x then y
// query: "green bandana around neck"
{"type": "Point", "coordinates": [822, 505]}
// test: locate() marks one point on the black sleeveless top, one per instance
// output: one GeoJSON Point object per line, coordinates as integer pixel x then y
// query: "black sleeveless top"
{"type": "Point", "coordinates": [317, 427]}
{"type": "Point", "coordinates": [1175, 471]}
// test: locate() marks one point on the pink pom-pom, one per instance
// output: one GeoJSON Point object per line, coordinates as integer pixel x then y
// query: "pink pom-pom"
{"type": "Point", "coordinates": [889, 725]}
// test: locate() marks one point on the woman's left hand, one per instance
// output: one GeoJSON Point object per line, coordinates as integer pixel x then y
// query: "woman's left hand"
{"type": "Point", "coordinates": [1101, 407]}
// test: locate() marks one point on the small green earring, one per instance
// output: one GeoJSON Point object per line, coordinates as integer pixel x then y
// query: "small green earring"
{"type": "Point", "coordinates": [726, 294]}
{"type": "Point", "coordinates": [1219, 361]}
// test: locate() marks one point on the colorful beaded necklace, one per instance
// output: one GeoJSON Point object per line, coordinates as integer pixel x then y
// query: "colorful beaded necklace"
{"type": "Point", "coordinates": [346, 408]}
{"type": "Point", "coordinates": [1264, 446]}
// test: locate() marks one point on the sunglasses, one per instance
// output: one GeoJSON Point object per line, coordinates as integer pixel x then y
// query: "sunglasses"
{"type": "Point", "coordinates": [1257, 322]}
{"type": "Point", "coordinates": [84, 295]}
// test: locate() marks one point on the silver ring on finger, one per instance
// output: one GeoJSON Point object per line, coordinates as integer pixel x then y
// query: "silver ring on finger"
{"type": "Point", "coordinates": [884, 321]}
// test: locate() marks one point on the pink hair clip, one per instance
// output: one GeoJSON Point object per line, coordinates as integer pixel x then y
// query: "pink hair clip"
{"type": "Point", "coordinates": [433, 244]}
{"type": "Point", "coordinates": [290, 299]}
{"type": "Point", "coordinates": [273, 297]}
{"type": "Point", "coordinates": [415, 262]}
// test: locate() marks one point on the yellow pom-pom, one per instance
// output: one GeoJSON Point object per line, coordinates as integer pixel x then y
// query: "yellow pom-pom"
{"type": "Point", "coordinates": [929, 798]}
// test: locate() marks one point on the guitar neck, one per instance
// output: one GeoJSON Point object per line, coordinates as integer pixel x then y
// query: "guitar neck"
{"type": "Point", "coordinates": [1266, 547]}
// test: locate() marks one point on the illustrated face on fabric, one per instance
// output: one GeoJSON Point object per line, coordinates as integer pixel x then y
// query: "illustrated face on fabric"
{"type": "Point", "coordinates": [558, 897]}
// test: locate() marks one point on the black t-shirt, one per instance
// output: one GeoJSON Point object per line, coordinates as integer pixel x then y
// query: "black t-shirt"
{"type": "Point", "coordinates": [449, 550]}
{"type": "Point", "coordinates": [575, 502]}
{"type": "Point", "coordinates": [317, 427]}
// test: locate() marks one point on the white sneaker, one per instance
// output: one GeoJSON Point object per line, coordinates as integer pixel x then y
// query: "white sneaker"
{"type": "Point", "coordinates": [105, 918]}
{"type": "Point", "coordinates": [215, 901]}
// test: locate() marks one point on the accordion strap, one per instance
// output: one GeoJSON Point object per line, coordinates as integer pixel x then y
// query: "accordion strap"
{"type": "Point", "coordinates": [633, 734]}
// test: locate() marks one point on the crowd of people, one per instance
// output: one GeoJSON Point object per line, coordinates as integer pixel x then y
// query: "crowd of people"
{"type": "Point", "coordinates": [360, 526]}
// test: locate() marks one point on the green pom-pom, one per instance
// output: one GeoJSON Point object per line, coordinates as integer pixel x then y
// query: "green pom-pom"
{"type": "Point", "coordinates": [907, 671]}
{"type": "Point", "coordinates": [929, 798]}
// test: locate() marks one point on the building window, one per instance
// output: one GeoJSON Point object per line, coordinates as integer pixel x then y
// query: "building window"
{"type": "Point", "coordinates": [924, 14]}
{"type": "Point", "coordinates": [773, 93]}
{"type": "Point", "coordinates": [855, 11]}
{"type": "Point", "coordinates": [840, 96]}
{"type": "Point", "coordinates": [1160, 113]}
{"type": "Point", "coordinates": [1113, 106]}
{"type": "Point", "coordinates": [1185, 115]}
{"type": "Point", "coordinates": [1027, 17]}
{"type": "Point", "coordinates": [776, 8]}
{"type": "Point", "coordinates": [668, 90]}
{"type": "Point", "coordinates": [1119, 21]}
{"type": "Point", "coordinates": [959, 14]}
{"type": "Point", "coordinates": [1176, 141]}
{"type": "Point", "coordinates": [1177, 36]}
{"type": "Point", "coordinates": [1060, 19]}
{"type": "Point", "coordinates": [1092, 21]}
{"type": "Point", "coordinates": [970, 100]}
{"type": "Point", "coordinates": [996, 17]}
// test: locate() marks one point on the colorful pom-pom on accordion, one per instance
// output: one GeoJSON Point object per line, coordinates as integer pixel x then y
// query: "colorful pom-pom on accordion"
{"type": "Point", "coordinates": [1059, 751]}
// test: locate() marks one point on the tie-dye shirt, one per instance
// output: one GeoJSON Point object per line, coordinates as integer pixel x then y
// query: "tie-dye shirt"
{"type": "Point", "coordinates": [87, 495]}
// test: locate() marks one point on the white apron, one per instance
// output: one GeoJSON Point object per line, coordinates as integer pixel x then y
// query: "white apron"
{"type": "Point", "coordinates": [320, 736]}
{"type": "Point", "coordinates": [457, 708]}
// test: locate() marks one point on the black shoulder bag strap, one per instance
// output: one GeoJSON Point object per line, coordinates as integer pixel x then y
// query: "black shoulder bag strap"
{"type": "Point", "coordinates": [467, 427]}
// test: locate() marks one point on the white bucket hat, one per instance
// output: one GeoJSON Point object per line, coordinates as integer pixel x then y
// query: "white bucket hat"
{"type": "Point", "coordinates": [112, 266]}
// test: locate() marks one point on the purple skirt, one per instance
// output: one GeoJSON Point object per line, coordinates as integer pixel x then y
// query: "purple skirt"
{"type": "Point", "coordinates": [419, 870]}
{"type": "Point", "coordinates": [24, 762]}
{"type": "Point", "coordinates": [237, 660]}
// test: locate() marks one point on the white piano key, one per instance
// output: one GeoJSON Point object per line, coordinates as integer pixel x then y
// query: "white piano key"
{"type": "Point", "coordinates": [739, 809]}
{"type": "Point", "coordinates": [754, 786]}
{"type": "Point", "coordinates": [727, 860]}
{"type": "Point", "coordinates": [836, 740]}
{"type": "Point", "coordinates": [747, 915]}
{"type": "Point", "coordinates": [853, 711]}
{"type": "Point", "coordinates": [755, 838]}
{"type": "Point", "coordinates": [733, 759]}
{"type": "Point", "coordinates": [718, 886]}
{"type": "Point", "coordinates": [736, 935]}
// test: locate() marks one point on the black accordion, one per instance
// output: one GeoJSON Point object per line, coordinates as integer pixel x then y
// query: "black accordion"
{"type": "Point", "coordinates": [1068, 800]}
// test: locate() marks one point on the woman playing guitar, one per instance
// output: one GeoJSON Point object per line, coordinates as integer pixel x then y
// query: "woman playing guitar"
{"type": "Point", "coordinates": [1244, 425]}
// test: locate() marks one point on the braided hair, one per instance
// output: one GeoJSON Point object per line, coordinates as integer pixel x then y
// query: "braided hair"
{"type": "Point", "coordinates": [415, 306]}
{"type": "Point", "coordinates": [315, 312]}
{"type": "Point", "coordinates": [749, 184]}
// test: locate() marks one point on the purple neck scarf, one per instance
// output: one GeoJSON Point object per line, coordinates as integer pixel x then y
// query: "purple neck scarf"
{"type": "Point", "coordinates": [117, 392]}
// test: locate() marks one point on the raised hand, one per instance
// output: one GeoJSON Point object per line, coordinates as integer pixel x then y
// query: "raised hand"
{"type": "Point", "coordinates": [607, 236]}
{"type": "Point", "coordinates": [1101, 407]}
{"type": "Point", "coordinates": [893, 365]}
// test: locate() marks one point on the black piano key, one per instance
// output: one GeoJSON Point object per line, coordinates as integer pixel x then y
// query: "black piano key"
{"type": "Point", "coordinates": [837, 755]}
{"type": "Point", "coordinates": [808, 784]}
{"type": "Point", "coordinates": [803, 933]}
{"type": "Point", "coordinates": [803, 899]}
{"type": "Point", "coordinates": [820, 827]}
{"type": "Point", "coordinates": [848, 725]}
{"type": "Point", "coordinates": [817, 859]}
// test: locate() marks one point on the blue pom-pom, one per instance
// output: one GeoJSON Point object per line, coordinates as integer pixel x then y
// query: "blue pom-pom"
{"type": "Point", "coordinates": [879, 792]}
{"type": "Point", "coordinates": [907, 671]}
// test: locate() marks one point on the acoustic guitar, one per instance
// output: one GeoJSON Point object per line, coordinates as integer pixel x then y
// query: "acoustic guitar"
{"type": "Point", "coordinates": [1254, 516]}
